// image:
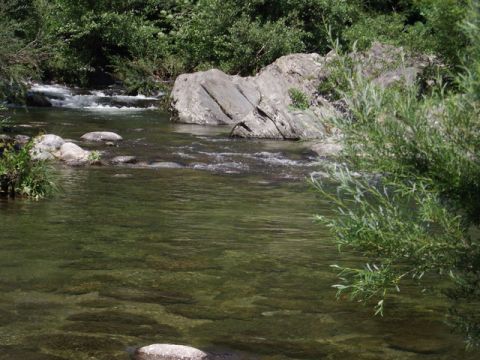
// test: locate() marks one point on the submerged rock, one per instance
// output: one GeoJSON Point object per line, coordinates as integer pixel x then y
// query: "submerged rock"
{"type": "Point", "coordinates": [37, 100]}
{"type": "Point", "coordinates": [101, 136]}
{"type": "Point", "coordinates": [164, 165]}
{"type": "Point", "coordinates": [169, 352]}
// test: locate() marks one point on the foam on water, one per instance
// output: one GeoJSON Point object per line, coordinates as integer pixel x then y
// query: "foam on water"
{"type": "Point", "coordinates": [94, 100]}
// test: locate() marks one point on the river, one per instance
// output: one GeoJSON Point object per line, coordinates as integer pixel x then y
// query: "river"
{"type": "Point", "coordinates": [220, 253]}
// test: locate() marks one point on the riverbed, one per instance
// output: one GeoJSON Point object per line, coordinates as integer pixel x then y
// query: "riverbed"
{"type": "Point", "coordinates": [220, 252]}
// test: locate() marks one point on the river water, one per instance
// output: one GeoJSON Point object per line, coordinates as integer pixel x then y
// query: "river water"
{"type": "Point", "coordinates": [220, 253]}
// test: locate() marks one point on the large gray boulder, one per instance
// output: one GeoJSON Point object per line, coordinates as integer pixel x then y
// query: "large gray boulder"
{"type": "Point", "coordinates": [261, 106]}
{"type": "Point", "coordinates": [257, 107]}
{"type": "Point", "coordinates": [213, 98]}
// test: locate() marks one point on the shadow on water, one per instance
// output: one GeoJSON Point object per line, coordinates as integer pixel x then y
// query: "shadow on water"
{"type": "Point", "coordinates": [217, 256]}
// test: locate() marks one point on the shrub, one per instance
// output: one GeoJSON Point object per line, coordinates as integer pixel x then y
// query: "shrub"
{"type": "Point", "coordinates": [20, 174]}
{"type": "Point", "coordinates": [299, 99]}
{"type": "Point", "coordinates": [419, 214]}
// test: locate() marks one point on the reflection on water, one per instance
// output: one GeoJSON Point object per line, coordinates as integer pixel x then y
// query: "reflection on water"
{"type": "Point", "coordinates": [203, 257]}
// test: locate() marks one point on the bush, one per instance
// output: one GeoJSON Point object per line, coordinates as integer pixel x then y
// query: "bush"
{"type": "Point", "coordinates": [419, 214]}
{"type": "Point", "coordinates": [299, 99]}
{"type": "Point", "coordinates": [21, 175]}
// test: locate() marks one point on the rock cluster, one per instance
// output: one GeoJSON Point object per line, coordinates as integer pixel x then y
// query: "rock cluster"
{"type": "Point", "coordinates": [262, 107]}
{"type": "Point", "coordinates": [51, 147]}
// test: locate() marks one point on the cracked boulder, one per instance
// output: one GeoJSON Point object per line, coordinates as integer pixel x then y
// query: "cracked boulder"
{"type": "Point", "coordinates": [213, 98]}
{"type": "Point", "coordinates": [282, 101]}
{"type": "Point", "coordinates": [255, 107]}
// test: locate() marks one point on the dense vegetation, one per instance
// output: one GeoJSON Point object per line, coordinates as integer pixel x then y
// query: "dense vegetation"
{"type": "Point", "coordinates": [415, 212]}
{"type": "Point", "coordinates": [146, 42]}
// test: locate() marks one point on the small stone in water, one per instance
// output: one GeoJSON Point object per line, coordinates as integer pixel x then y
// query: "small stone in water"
{"type": "Point", "coordinates": [169, 352]}
{"type": "Point", "coordinates": [165, 165]}
{"type": "Point", "coordinates": [124, 160]}
{"type": "Point", "coordinates": [101, 136]}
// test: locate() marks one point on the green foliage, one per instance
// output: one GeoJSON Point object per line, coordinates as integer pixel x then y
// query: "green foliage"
{"type": "Point", "coordinates": [428, 26]}
{"type": "Point", "coordinates": [387, 28]}
{"type": "Point", "coordinates": [20, 174]}
{"type": "Point", "coordinates": [419, 210]}
{"type": "Point", "coordinates": [230, 35]}
{"type": "Point", "coordinates": [19, 54]}
{"type": "Point", "coordinates": [299, 99]}
{"type": "Point", "coordinates": [94, 157]}
{"type": "Point", "coordinates": [147, 43]}
{"type": "Point", "coordinates": [443, 22]}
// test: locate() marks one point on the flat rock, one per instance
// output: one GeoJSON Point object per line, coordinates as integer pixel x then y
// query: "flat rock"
{"type": "Point", "coordinates": [101, 136]}
{"type": "Point", "coordinates": [169, 352]}
{"type": "Point", "coordinates": [117, 160]}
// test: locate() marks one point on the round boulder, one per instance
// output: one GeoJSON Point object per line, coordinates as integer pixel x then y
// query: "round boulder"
{"type": "Point", "coordinates": [48, 142]}
{"type": "Point", "coordinates": [72, 153]}
{"type": "Point", "coordinates": [45, 145]}
{"type": "Point", "coordinates": [169, 352]}
{"type": "Point", "coordinates": [99, 136]}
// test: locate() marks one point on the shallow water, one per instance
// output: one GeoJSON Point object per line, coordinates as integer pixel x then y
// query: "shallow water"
{"type": "Point", "coordinates": [221, 254]}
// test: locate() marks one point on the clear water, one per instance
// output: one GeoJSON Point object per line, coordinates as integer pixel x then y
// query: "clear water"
{"type": "Point", "coordinates": [221, 254]}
